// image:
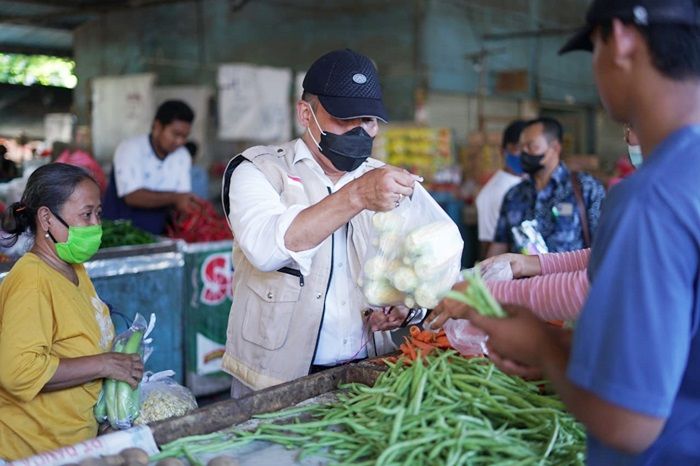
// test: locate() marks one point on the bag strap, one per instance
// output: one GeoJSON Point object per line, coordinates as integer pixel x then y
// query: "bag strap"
{"type": "Point", "coordinates": [576, 185]}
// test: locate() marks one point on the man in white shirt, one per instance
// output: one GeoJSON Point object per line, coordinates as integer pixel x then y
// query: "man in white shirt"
{"type": "Point", "coordinates": [490, 198]}
{"type": "Point", "coordinates": [301, 217]}
{"type": "Point", "coordinates": [151, 172]}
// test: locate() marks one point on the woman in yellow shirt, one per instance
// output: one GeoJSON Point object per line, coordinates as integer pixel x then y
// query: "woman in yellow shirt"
{"type": "Point", "coordinates": [55, 332]}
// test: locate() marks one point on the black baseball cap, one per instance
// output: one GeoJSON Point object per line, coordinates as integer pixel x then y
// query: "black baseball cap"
{"type": "Point", "coordinates": [347, 85]}
{"type": "Point", "coordinates": [639, 12]}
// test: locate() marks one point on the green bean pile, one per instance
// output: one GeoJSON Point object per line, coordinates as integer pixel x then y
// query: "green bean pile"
{"type": "Point", "coordinates": [448, 410]}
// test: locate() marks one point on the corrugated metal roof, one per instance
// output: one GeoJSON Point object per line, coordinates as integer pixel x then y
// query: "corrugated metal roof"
{"type": "Point", "coordinates": [45, 26]}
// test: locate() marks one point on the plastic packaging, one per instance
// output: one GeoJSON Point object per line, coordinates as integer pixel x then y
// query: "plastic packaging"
{"type": "Point", "coordinates": [108, 444]}
{"type": "Point", "coordinates": [414, 256]}
{"type": "Point", "coordinates": [465, 338]}
{"type": "Point", "coordinates": [163, 398]}
{"type": "Point", "coordinates": [496, 271]}
{"type": "Point", "coordinates": [118, 402]}
{"type": "Point", "coordinates": [528, 239]}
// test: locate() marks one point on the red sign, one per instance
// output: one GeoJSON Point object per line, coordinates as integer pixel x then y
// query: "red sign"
{"type": "Point", "coordinates": [217, 275]}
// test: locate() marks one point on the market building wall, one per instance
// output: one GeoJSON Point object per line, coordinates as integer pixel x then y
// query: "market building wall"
{"type": "Point", "coordinates": [184, 43]}
{"type": "Point", "coordinates": [428, 48]}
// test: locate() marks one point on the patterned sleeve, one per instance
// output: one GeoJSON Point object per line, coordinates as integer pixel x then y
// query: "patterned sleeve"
{"type": "Point", "coordinates": [594, 195]}
{"type": "Point", "coordinates": [557, 296]}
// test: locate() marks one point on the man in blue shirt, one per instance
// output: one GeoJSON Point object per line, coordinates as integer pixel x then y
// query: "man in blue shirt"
{"type": "Point", "coordinates": [632, 372]}
{"type": "Point", "coordinates": [548, 196]}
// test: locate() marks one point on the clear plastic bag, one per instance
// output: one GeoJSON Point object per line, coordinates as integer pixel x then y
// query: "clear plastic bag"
{"type": "Point", "coordinates": [163, 398]}
{"type": "Point", "coordinates": [414, 255]}
{"type": "Point", "coordinates": [118, 402]}
{"type": "Point", "coordinates": [528, 239]}
{"type": "Point", "coordinates": [465, 338]}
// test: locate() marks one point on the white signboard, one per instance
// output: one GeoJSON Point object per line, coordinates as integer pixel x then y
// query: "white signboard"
{"type": "Point", "coordinates": [122, 107]}
{"type": "Point", "coordinates": [254, 103]}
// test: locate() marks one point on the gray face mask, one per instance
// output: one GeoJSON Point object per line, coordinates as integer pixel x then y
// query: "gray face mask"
{"type": "Point", "coordinates": [345, 151]}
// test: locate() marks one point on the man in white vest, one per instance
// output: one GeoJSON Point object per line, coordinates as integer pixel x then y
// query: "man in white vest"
{"type": "Point", "coordinates": [300, 213]}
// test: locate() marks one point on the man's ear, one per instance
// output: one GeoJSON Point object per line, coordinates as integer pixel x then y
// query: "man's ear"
{"type": "Point", "coordinates": [556, 146]}
{"type": "Point", "coordinates": [157, 127]}
{"type": "Point", "coordinates": [625, 39]}
{"type": "Point", "coordinates": [304, 113]}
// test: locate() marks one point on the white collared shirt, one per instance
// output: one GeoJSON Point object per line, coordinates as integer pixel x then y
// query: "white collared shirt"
{"type": "Point", "coordinates": [260, 221]}
{"type": "Point", "coordinates": [136, 166]}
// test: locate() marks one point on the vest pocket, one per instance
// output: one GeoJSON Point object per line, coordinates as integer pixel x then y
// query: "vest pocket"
{"type": "Point", "coordinates": [270, 308]}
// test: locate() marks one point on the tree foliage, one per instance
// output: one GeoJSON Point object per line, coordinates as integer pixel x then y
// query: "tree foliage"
{"type": "Point", "coordinates": [37, 69]}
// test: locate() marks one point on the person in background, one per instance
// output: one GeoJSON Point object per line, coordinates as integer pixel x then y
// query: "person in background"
{"type": "Point", "coordinates": [490, 198]}
{"type": "Point", "coordinates": [632, 160]}
{"type": "Point", "coordinates": [8, 169]}
{"type": "Point", "coordinates": [151, 173]}
{"type": "Point", "coordinates": [554, 286]}
{"type": "Point", "coordinates": [630, 373]}
{"type": "Point", "coordinates": [565, 205]}
{"type": "Point", "coordinates": [82, 158]}
{"type": "Point", "coordinates": [198, 175]}
{"type": "Point", "coordinates": [301, 216]}
{"type": "Point", "coordinates": [55, 332]}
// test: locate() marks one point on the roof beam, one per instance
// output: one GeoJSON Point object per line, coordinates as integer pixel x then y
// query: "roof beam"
{"type": "Point", "coordinates": [82, 9]}
{"type": "Point", "coordinates": [9, 47]}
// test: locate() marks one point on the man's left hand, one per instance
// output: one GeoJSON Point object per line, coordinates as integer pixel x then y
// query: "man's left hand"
{"type": "Point", "coordinates": [387, 318]}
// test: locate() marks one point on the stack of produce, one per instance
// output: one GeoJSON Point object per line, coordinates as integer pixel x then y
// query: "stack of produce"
{"type": "Point", "coordinates": [123, 233]}
{"type": "Point", "coordinates": [199, 225]}
{"type": "Point", "coordinates": [414, 267]}
{"type": "Point", "coordinates": [443, 409]}
{"type": "Point", "coordinates": [118, 402]}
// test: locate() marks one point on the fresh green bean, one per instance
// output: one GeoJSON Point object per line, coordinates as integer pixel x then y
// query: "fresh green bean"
{"type": "Point", "coordinates": [442, 410]}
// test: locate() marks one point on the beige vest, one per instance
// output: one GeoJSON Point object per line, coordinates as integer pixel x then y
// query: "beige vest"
{"type": "Point", "coordinates": [274, 321]}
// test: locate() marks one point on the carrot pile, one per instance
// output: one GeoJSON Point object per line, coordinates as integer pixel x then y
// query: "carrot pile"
{"type": "Point", "coordinates": [423, 341]}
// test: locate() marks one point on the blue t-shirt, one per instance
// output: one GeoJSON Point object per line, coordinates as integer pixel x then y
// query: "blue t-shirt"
{"type": "Point", "coordinates": [636, 342]}
{"type": "Point", "coordinates": [554, 208]}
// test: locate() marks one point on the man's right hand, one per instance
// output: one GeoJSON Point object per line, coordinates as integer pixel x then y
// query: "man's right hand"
{"type": "Point", "coordinates": [382, 188]}
{"type": "Point", "coordinates": [125, 367]}
{"type": "Point", "coordinates": [186, 202]}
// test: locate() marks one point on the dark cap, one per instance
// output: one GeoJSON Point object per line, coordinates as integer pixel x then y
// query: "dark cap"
{"type": "Point", "coordinates": [347, 85]}
{"type": "Point", "coordinates": [639, 12]}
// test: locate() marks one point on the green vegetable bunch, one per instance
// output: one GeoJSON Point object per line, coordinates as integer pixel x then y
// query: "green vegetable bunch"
{"type": "Point", "coordinates": [477, 295]}
{"type": "Point", "coordinates": [118, 402]}
{"type": "Point", "coordinates": [123, 233]}
{"type": "Point", "coordinates": [444, 410]}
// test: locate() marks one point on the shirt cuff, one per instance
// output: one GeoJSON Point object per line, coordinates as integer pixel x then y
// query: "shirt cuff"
{"type": "Point", "coordinates": [301, 258]}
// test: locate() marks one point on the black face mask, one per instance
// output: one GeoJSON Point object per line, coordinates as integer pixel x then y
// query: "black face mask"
{"type": "Point", "coordinates": [531, 163]}
{"type": "Point", "coordinates": [346, 151]}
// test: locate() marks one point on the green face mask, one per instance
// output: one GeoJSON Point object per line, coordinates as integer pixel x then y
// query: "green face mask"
{"type": "Point", "coordinates": [82, 243]}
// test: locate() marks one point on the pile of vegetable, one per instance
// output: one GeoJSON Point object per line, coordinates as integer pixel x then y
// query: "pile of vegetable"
{"type": "Point", "coordinates": [413, 267]}
{"type": "Point", "coordinates": [443, 409]}
{"type": "Point", "coordinates": [199, 225]}
{"type": "Point", "coordinates": [421, 343]}
{"type": "Point", "coordinates": [126, 457]}
{"type": "Point", "coordinates": [123, 233]}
